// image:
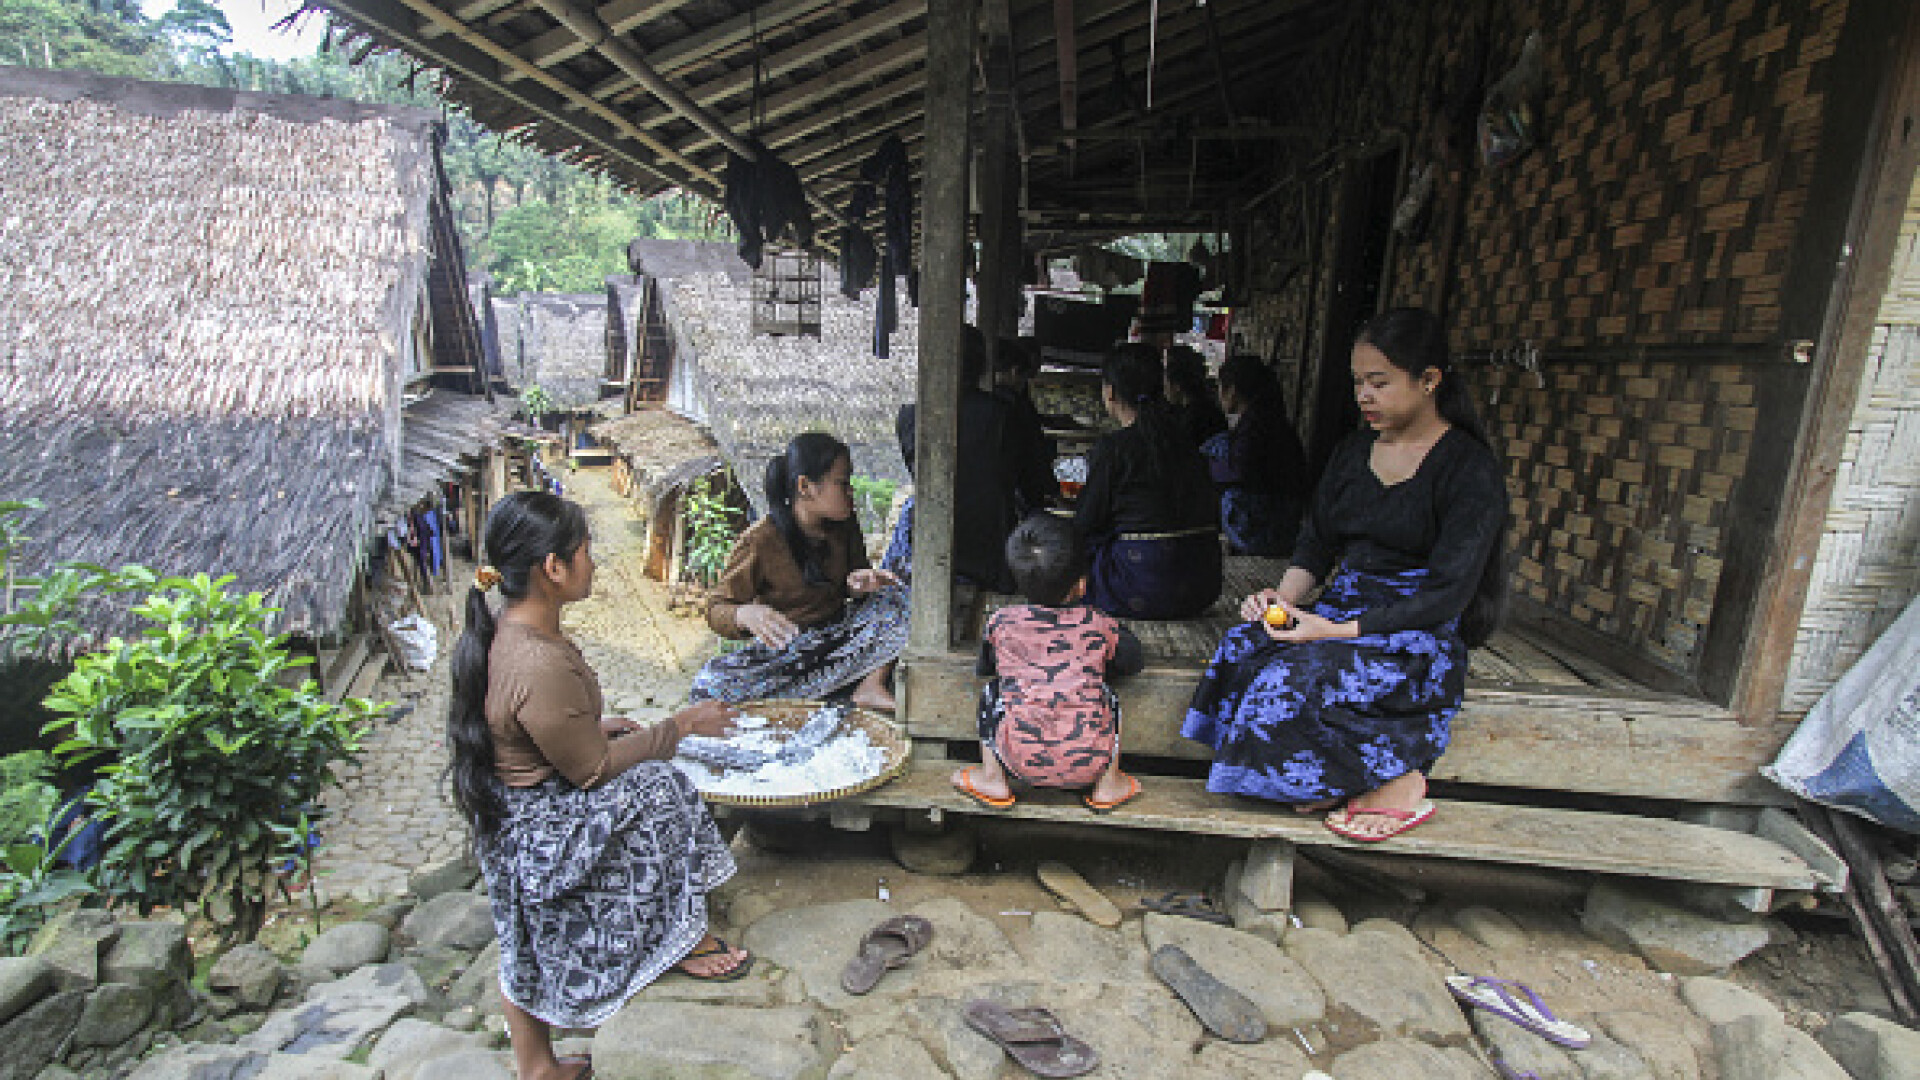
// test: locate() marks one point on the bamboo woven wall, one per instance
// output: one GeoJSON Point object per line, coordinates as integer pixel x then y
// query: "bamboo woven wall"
{"type": "Point", "coordinates": [1660, 209]}
{"type": "Point", "coordinates": [1621, 476]}
{"type": "Point", "coordinates": [1868, 568]}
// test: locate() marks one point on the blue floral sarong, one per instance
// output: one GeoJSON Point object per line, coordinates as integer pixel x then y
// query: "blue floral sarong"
{"type": "Point", "coordinates": [1328, 719]}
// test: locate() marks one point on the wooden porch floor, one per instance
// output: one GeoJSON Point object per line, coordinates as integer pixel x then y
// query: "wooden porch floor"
{"type": "Point", "coordinates": [1516, 657]}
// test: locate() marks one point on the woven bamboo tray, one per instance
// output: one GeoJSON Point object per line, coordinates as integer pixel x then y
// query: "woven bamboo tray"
{"type": "Point", "coordinates": [790, 715]}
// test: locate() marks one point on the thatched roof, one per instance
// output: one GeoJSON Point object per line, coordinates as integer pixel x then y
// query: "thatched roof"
{"type": "Point", "coordinates": [557, 341]}
{"type": "Point", "coordinates": [682, 258]}
{"type": "Point", "coordinates": [665, 450]}
{"type": "Point", "coordinates": [757, 392]}
{"type": "Point", "coordinates": [207, 302]}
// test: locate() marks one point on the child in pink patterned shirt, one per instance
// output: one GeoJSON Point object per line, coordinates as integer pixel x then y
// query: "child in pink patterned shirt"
{"type": "Point", "coordinates": [1047, 716]}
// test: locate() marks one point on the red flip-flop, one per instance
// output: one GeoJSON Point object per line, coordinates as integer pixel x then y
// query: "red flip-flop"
{"type": "Point", "coordinates": [1098, 807]}
{"type": "Point", "coordinates": [964, 786]}
{"type": "Point", "coordinates": [1404, 819]}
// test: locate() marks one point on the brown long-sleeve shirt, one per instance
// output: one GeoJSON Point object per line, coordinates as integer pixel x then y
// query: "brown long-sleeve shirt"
{"type": "Point", "coordinates": [762, 570]}
{"type": "Point", "coordinates": [543, 709]}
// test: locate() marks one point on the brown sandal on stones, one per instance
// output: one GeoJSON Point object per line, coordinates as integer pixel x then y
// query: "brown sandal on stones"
{"type": "Point", "coordinates": [886, 946]}
{"type": "Point", "coordinates": [1033, 1038]}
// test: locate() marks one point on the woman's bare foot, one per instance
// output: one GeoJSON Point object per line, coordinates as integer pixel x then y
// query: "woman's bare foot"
{"type": "Point", "coordinates": [1403, 793]}
{"type": "Point", "coordinates": [715, 962]}
{"type": "Point", "coordinates": [872, 693]}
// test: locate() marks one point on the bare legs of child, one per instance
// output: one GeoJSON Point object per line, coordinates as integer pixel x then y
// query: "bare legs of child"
{"type": "Point", "coordinates": [988, 781]}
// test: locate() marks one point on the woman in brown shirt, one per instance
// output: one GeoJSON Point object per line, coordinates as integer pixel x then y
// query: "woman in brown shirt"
{"type": "Point", "coordinates": [787, 586]}
{"type": "Point", "coordinates": [598, 853]}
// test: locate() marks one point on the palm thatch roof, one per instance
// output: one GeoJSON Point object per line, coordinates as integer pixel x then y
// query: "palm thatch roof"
{"type": "Point", "coordinates": [665, 451]}
{"type": "Point", "coordinates": [557, 341]}
{"type": "Point", "coordinates": [209, 307]}
{"type": "Point", "coordinates": [755, 392]}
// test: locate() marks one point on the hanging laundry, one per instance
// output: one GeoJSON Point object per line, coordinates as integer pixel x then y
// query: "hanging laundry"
{"type": "Point", "coordinates": [1166, 301]}
{"type": "Point", "coordinates": [886, 170]}
{"type": "Point", "coordinates": [764, 198]}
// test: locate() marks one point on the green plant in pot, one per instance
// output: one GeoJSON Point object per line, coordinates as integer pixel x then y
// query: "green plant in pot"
{"type": "Point", "coordinates": [210, 763]}
{"type": "Point", "coordinates": [538, 405]}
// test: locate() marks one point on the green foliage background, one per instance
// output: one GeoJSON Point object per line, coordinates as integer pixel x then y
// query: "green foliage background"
{"type": "Point", "coordinates": [534, 222]}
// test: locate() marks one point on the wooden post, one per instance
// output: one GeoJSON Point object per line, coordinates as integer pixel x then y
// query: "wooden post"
{"type": "Point", "coordinates": [942, 311]}
{"type": "Point", "coordinates": [998, 178]}
{"type": "Point", "coordinates": [1752, 669]}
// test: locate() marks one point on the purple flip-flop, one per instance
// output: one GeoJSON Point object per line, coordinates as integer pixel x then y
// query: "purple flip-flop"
{"type": "Point", "coordinates": [1512, 1001]}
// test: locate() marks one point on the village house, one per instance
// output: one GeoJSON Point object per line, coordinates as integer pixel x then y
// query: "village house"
{"type": "Point", "coordinates": [277, 364]}
{"type": "Point", "coordinates": [1673, 242]}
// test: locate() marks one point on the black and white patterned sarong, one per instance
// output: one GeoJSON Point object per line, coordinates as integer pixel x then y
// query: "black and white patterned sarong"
{"type": "Point", "coordinates": [818, 661]}
{"type": "Point", "coordinates": [596, 893]}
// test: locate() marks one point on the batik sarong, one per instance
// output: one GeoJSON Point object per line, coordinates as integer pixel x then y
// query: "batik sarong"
{"type": "Point", "coordinates": [597, 892]}
{"type": "Point", "coordinates": [818, 661]}
{"type": "Point", "coordinates": [1328, 719]}
{"type": "Point", "coordinates": [1156, 575]}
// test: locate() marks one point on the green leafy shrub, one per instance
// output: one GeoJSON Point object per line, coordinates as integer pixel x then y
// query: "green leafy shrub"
{"type": "Point", "coordinates": [711, 528]}
{"type": "Point", "coordinates": [873, 497]}
{"type": "Point", "coordinates": [211, 762]}
{"type": "Point", "coordinates": [536, 401]}
{"type": "Point", "coordinates": [31, 879]}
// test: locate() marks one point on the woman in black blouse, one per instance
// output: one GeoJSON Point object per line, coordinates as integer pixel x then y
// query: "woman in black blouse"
{"type": "Point", "coordinates": [1350, 702]}
{"type": "Point", "coordinates": [1147, 511]}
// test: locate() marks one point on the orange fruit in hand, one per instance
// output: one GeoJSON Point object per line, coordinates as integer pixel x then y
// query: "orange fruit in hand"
{"type": "Point", "coordinates": [1278, 617]}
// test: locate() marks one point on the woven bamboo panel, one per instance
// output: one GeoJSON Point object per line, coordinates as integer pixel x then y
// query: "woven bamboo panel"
{"type": "Point", "coordinates": [1621, 476]}
{"type": "Point", "coordinates": [1868, 568]}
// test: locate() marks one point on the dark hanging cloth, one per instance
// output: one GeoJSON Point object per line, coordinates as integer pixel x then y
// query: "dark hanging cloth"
{"type": "Point", "coordinates": [858, 261]}
{"type": "Point", "coordinates": [886, 170]}
{"type": "Point", "coordinates": [1166, 301]}
{"type": "Point", "coordinates": [764, 198]}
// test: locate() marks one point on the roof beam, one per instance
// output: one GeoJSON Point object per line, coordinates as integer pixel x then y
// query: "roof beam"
{"type": "Point", "coordinates": [715, 41]}
{"type": "Point", "coordinates": [814, 92]}
{"type": "Point", "coordinates": [599, 37]}
{"type": "Point", "coordinates": [810, 49]}
{"type": "Point", "coordinates": [472, 56]}
{"type": "Point", "coordinates": [468, 12]}
{"type": "Point", "coordinates": [559, 45]}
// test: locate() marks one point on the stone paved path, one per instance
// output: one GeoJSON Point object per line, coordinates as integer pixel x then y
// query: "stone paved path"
{"type": "Point", "coordinates": [390, 817]}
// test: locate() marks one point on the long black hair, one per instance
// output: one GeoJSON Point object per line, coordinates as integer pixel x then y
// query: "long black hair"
{"type": "Point", "coordinates": [1413, 340]}
{"type": "Point", "coordinates": [1137, 378]}
{"type": "Point", "coordinates": [812, 455]}
{"type": "Point", "coordinates": [1252, 379]}
{"type": "Point", "coordinates": [523, 529]}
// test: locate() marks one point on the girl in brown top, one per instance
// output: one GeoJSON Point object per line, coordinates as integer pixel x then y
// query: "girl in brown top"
{"type": "Point", "coordinates": [598, 853]}
{"type": "Point", "coordinates": [787, 586]}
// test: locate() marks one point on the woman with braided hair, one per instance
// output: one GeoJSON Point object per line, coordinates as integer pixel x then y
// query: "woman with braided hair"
{"type": "Point", "coordinates": [598, 853]}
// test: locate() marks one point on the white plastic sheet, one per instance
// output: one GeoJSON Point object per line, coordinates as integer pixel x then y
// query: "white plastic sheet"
{"type": "Point", "coordinates": [418, 640]}
{"type": "Point", "coordinates": [1858, 750]}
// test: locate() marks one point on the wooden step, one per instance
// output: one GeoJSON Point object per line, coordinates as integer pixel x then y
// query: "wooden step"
{"type": "Point", "coordinates": [1606, 742]}
{"type": "Point", "coordinates": [338, 672]}
{"type": "Point", "coordinates": [369, 674]}
{"type": "Point", "coordinates": [1480, 832]}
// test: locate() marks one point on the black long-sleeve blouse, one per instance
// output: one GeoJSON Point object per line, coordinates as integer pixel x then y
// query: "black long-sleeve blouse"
{"type": "Point", "coordinates": [1446, 517]}
{"type": "Point", "coordinates": [1126, 493]}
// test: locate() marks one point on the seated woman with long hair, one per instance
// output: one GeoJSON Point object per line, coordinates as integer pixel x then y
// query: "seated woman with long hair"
{"type": "Point", "coordinates": [788, 584]}
{"type": "Point", "coordinates": [1192, 397]}
{"type": "Point", "coordinates": [1259, 463]}
{"type": "Point", "coordinates": [1147, 511]}
{"type": "Point", "coordinates": [598, 853]}
{"type": "Point", "coordinates": [1349, 700]}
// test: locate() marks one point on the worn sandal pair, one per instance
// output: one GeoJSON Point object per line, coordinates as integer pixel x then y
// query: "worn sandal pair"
{"type": "Point", "coordinates": [1032, 1037]}
{"type": "Point", "coordinates": [885, 947]}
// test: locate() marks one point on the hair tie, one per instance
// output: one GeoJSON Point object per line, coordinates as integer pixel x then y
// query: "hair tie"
{"type": "Point", "coordinates": [485, 578]}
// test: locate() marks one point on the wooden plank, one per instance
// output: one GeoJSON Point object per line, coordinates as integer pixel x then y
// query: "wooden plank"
{"type": "Point", "coordinates": [1591, 741]}
{"type": "Point", "coordinates": [338, 673]}
{"type": "Point", "coordinates": [368, 676]}
{"type": "Point", "coordinates": [1479, 832]}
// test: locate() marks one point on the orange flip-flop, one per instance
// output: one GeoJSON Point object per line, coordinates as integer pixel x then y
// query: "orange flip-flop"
{"type": "Point", "coordinates": [964, 786]}
{"type": "Point", "coordinates": [1098, 807]}
{"type": "Point", "coordinates": [1402, 819]}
